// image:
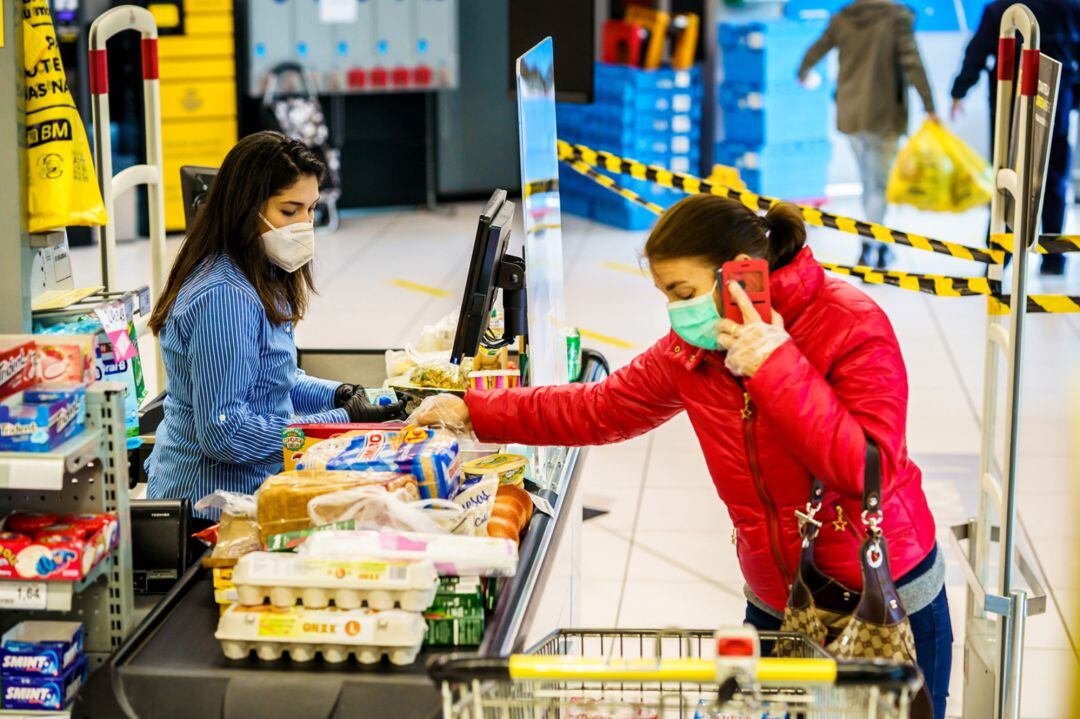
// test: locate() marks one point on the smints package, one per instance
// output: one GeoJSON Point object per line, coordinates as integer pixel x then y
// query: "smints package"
{"type": "Point", "coordinates": [44, 693]}
{"type": "Point", "coordinates": [40, 649]}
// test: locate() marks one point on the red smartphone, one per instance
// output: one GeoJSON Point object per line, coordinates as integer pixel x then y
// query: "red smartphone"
{"type": "Point", "coordinates": [753, 276]}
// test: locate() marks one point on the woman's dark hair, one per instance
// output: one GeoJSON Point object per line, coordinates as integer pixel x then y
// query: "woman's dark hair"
{"type": "Point", "coordinates": [256, 168]}
{"type": "Point", "coordinates": [718, 229]}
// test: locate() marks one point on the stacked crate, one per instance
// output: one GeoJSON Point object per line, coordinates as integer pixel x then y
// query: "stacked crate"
{"type": "Point", "coordinates": [653, 116]}
{"type": "Point", "coordinates": [772, 129]}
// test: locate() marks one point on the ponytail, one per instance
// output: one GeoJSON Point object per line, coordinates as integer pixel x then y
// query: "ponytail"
{"type": "Point", "coordinates": [787, 233]}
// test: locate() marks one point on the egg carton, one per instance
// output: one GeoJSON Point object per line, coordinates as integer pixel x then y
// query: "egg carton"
{"type": "Point", "coordinates": [302, 633]}
{"type": "Point", "coordinates": [349, 583]}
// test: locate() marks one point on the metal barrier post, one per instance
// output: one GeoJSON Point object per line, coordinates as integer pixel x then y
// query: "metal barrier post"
{"type": "Point", "coordinates": [109, 23]}
{"type": "Point", "coordinates": [1012, 179]}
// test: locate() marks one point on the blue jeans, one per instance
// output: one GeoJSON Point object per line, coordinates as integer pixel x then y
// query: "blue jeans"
{"type": "Point", "coordinates": [874, 155]}
{"type": "Point", "coordinates": [933, 644]}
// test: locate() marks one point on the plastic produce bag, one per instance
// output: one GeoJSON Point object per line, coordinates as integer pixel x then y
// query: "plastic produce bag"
{"type": "Point", "coordinates": [237, 532]}
{"type": "Point", "coordinates": [447, 412]}
{"type": "Point", "coordinates": [373, 508]}
{"type": "Point", "coordinates": [938, 172]}
{"type": "Point", "coordinates": [282, 500]}
{"type": "Point", "coordinates": [62, 184]}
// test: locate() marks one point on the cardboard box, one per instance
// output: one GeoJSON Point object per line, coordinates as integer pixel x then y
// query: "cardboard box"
{"type": "Point", "coordinates": [44, 693]}
{"type": "Point", "coordinates": [40, 648]}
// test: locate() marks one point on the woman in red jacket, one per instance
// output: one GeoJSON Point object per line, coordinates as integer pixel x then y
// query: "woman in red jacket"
{"type": "Point", "coordinates": [773, 406]}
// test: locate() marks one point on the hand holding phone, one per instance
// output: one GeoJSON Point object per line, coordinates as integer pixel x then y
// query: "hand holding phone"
{"type": "Point", "coordinates": [753, 277]}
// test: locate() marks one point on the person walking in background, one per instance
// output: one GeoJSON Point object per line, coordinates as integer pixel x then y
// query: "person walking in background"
{"type": "Point", "coordinates": [1059, 26]}
{"type": "Point", "coordinates": [879, 60]}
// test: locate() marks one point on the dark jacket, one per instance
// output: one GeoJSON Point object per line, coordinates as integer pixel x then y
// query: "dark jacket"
{"type": "Point", "coordinates": [878, 60]}
{"type": "Point", "coordinates": [1059, 26]}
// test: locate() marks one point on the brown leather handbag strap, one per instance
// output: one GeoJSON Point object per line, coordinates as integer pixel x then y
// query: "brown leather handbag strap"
{"type": "Point", "coordinates": [872, 478]}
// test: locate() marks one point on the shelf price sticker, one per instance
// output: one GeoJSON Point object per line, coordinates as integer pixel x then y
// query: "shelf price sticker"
{"type": "Point", "coordinates": [23, 595]}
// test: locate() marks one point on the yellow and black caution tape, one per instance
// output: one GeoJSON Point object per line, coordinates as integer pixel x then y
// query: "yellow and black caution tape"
{"type": "Point", "coordinates": [937, 285]}
{"type": "Point", "coordinates": [1048, 244]}
{"type": "Point", "coordinates": [549, 184]}
{"type": "Point", "coordinates": [814, 217]}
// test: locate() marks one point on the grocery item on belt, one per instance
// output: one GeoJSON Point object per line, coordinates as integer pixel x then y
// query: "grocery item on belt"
{"type": "Point", "coordinates": [40, 649]}
{"type": "Point", "coordinates": [373, 507]}
{"type": "Point", "coordinates": [452, 554]}
{"type": "Point", "coordinates": [299, 438]}
{"type": "Point", "coordinates": [335, 633]}
{"type": "Point", "coordinates": [429, 455]}
{"type": "Point", "coordinates": [477, 499]}
{"type": "Point", "coordinates": [439, 375]}
{"type": "Point", "coordinates": [19, 366]}
{"type": "Point", "coordinates": [509, 468]}
{"type": "Point", "coordinates": [348, 582]}
{"type": "Point", "coordinates": [42, 418]}
{"type": "Point", "coordinates": [454, 627]}
{"type": "Point", "coordinates": [282, 500]}
{"type": "Point", "coordinates": [42, 693]}
{"type": "Point", "coordinates": [512, 510]}
{"type": "Point", "coordinates": [494, 379]}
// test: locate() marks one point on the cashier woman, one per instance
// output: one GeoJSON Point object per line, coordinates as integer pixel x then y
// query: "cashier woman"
{"type": "Point", "coordinates": [773, 405]}
{"type": "Point", "coordinates": [225, 323]}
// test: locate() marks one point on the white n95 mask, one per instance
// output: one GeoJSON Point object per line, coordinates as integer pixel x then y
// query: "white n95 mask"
{"type": "Point", "coordinates": [289, 247]}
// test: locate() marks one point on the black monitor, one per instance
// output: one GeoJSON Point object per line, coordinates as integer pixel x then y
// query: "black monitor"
{"type": "Point", "coordinates": [195, 183]}
{"type": "Point", "coordinates": [489, 270]}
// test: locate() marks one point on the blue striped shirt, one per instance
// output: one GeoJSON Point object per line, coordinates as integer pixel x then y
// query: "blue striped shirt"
{"type": "Point", "coordinates": [232, 384]}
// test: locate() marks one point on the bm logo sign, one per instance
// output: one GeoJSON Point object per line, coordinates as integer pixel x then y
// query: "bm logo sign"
{"type": "Point", "coordinates": [49, 131]}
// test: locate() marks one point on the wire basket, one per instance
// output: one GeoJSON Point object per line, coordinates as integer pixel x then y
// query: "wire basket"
{"type": "Point", "coordinates": [659, 674]}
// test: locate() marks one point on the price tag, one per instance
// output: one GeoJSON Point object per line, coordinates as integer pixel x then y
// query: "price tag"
{"type": "Point", "coordinates": [144, 301]}
{"type": "Point", "coordinates": [23, 595]}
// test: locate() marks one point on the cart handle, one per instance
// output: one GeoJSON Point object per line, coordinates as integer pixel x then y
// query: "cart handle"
{"type": "Point", "coordinates": [767, 670]}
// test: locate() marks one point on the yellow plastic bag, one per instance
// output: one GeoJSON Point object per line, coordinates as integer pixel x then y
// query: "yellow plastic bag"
{"type": "Point", "coordinates": [62, 185]}
{"type": "Point", "coordinates": [937, 171]}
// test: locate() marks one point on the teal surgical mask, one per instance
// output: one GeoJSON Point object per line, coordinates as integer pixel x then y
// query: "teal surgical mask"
{"type": "Point", "coordinates": [695, 320]}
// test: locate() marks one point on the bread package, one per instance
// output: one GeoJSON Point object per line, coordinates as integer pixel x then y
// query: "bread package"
{"type": "Point", "coordinates": [282, 500]}
{"type": "Point", "coordinates": [429, 455]}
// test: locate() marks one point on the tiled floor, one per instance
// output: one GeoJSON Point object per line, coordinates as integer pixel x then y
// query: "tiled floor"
{"type": "Point", "coordinates": [662, 555]}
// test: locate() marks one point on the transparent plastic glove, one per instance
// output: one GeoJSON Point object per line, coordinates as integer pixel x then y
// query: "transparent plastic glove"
{"type": "Point", "coordinates": [443, 410]}
{"type": "Point", "coordinates": [748, 345]}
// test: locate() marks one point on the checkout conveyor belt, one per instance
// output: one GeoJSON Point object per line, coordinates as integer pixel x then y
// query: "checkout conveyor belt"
{"type": "Point", "coordinates": [172, 666]}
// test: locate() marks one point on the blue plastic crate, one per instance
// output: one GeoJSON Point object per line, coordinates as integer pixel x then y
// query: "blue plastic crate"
{"type": "Point", "coordinates": [765, 53]}
{"type": "Point", "coordinates": [796, 171]}
{"type": "Point", "coordinates": [663, 79]}
{"type": "Point", "coordinates": [618, 212]}
{"type": "Point", "coordinates": [755, 117]}
{"type": "Point", "coordinates": [638, 145]}
{"type": "Point", "coordinates": [636, 121]}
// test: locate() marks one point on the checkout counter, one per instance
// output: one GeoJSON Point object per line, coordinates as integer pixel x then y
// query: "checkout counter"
{"type": "Point", "coordinates": [171, 665]}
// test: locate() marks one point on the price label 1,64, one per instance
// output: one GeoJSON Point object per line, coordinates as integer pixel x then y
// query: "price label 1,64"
{"type": "Point", "coordinates": [23, 595]}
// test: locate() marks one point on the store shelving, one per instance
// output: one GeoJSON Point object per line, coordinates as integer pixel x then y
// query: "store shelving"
{"type": "Point", "coordinates": [85, 474]}
{"type": "Point", "coordinates": [46, 470]}
{"type": "Point", "coordinates": [54, 595]}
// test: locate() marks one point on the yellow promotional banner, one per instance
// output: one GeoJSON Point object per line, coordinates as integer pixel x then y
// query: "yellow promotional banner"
{"type": "Point", "coordinates": [62, 185]}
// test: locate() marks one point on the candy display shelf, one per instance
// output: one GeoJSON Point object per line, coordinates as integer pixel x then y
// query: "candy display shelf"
{"type": "Point", "coordinates": [87, 474]}
{"type": "Point", "coordinates": [46, 470]}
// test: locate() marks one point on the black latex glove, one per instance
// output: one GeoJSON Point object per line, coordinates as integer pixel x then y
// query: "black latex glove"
{"type": "Point", "coordinates": [361, 409]}
{"type": "Point", "coordinates": [344, 393]}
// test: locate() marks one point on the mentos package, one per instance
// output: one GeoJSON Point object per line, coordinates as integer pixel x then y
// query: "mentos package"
{"type": "Point", "coordinates": [44, 693]}
{"type": "Point", "coordinates": [43, 417]}
{"type": "Point", "coordinates": [298, 438]}
{"type": "Point", "coordinates": [429, 455]}
{"type": "Point", "coordinates": [40, 649]}
{"type": "Point", "coordinates": [19, 367]}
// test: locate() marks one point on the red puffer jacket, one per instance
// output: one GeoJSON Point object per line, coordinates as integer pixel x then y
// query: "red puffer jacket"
{"type": "Point", "coordinates": [805, 413]}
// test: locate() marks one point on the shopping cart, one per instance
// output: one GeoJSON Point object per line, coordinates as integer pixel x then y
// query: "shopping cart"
{"type": "Point", "coordinates": [661, 674]}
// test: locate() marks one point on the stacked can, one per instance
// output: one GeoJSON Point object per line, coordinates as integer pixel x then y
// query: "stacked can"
{"type": "Point", "coordinates": [775, 131]}
{"type": "Point", "coordinates": [653, 116]}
